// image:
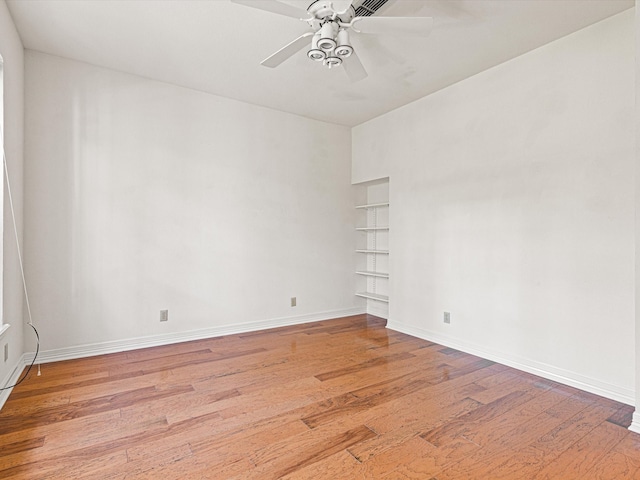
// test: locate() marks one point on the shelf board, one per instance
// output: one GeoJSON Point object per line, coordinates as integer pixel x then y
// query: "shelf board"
{"type": "Point", "coordinates": [372, 274]}
{"type": "Point", "coordinates": [373, 205]}
{"type": "Point", "coordinates": [367, 229]}
{"type": "Point", "coordinates": [373, 296]}
{"type": "Point", "coordinates": [382, 252]}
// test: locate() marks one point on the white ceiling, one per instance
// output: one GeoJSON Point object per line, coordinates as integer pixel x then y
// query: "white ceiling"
{"type": "Point", "coordinates": [216, 46]}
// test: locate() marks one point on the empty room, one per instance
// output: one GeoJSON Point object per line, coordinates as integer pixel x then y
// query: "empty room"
{"type": "Point", "coordinates": [348, 239]}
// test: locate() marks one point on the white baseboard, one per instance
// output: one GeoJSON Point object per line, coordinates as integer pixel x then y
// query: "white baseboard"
{"type": "Point", "coordinates": [635, 424]}
{"type": "Point", "coordinates": [90, 350]}
{"type": "Point", "coordinates": [546, 371]}
{"type": "Point", "coordinates": [549, 372]}
{"type": "Point", "coordinates": [13, 377]}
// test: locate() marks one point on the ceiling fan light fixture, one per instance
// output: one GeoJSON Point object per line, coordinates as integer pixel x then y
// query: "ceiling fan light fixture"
{"type": "Point", "coordinates": [332, 61]}
{"type": "Point", "coordinates": [344, 48]}
{"type": "Point", "coordinates": [327, 40]}
{"type": "Point", "coordinates": [315, 53]}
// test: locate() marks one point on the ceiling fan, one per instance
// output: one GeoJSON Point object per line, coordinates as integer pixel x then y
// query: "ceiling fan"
{"type": "Point", "coordinates": [330, 23]}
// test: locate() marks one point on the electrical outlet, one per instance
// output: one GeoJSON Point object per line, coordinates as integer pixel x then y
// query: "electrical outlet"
{"type": "Point", "coordinates": [447, 317]}
{"type": "Point", "coordinates": [294, 302]}
{"type": "Point", "coordinates": [6, 352]}
{"type": "Point", "coordinates": [164, 315]}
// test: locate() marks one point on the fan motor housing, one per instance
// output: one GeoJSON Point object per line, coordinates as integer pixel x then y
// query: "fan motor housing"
{"type": "Point", "coordinates": [322, 11]}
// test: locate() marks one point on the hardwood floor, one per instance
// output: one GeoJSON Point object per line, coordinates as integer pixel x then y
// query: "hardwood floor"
{"type": "Point", "coordinates": [342, 399]}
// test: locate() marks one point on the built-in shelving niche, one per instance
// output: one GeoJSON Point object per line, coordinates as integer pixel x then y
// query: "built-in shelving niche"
{"type": "Point", "coordinates": [372, 246]}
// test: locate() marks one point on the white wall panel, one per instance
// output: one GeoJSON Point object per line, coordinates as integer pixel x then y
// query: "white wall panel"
{"type": "Point", "coordinates": [144, 196]}
{"type": "Point", "coordinates": [513, 209]}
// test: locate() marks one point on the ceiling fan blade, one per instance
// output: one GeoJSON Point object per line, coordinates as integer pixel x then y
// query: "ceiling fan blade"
{"type": "Point", "coordinates": [274, 6]}
{"type": "Point", "coordinates": [287, 51]}
{"type": "Point", "coordinates": [354, 68]}
{"type": "Point", "coordinates": [420, 26]}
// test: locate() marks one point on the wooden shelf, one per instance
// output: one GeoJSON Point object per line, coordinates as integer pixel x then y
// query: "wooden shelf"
{"type": "Point", "coordinates": [372, 274]}
{"type": "Point", "coordinates": [371, 229]}
{"type": "Point", "coordinates": [373, 240]}
{"type": "Point", "coordinates": [373, 205]}
{"type": "Point", "coordinates": [373, 296]}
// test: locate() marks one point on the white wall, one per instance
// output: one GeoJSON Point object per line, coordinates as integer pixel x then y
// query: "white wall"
{"type": "Point", "coordinates": [635, 426]}
{"type": "Point", "coordinates": [512, 207]}
{"type": "Point", "coordinates": [144, 196]}
{"type": "Point", "coordinates": [13, 55]}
